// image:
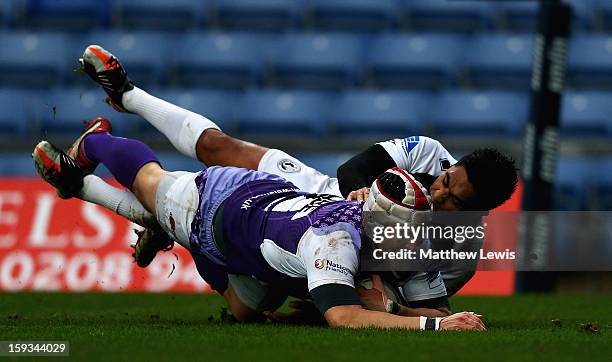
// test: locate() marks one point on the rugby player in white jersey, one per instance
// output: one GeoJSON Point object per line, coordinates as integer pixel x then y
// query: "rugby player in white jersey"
{"type": "Point", "coordinates": [481, 181]}
{"type": "Point", "coordinates": [255, 224]}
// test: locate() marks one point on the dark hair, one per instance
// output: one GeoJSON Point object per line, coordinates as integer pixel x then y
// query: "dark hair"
{"type": "Point", "coordinates": [493, 177]}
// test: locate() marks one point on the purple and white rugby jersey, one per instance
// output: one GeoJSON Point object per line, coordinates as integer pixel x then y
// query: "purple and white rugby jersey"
{"type": "Point", "coordinates": [276, 233]}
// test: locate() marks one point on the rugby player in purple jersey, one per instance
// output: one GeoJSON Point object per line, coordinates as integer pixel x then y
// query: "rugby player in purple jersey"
{"type": "Point", "coordinates": [482, 180]}
{"type": "Point", "coordinates": [256, 225]}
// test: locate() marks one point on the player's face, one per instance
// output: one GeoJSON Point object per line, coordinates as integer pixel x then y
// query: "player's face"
{"type": "Point", "coordinates": [451, 189]}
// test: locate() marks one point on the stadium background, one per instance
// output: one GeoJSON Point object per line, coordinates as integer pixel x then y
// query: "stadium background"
{"type": "Point", "coordinates": [321, 79]}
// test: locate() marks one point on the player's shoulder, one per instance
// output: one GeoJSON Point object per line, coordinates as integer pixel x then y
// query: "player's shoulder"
{"type": "Point", "coordinates": [333, 232]}
{"type": "Point", "coordinates": [416, 143]}
{"type": "Point", "coordinates": [421, 143]}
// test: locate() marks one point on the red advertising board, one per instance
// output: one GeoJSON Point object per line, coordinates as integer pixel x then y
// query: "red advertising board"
{"type": "Point", "coordinates": [68, 245]}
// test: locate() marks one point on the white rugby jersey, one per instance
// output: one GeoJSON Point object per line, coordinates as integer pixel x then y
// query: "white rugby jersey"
{"type": "Point", "coordinates": [419, 154]}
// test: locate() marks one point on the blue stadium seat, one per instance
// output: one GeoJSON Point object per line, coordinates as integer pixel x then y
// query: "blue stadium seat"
{"type": "Point", "coordinates": [586, 114]}
{"type": "Point", "coordinates": [318, 60]}
{"type": "Point", "coordinates": [63, 111]}
{"type": "Point", "coordinates": [161, 14]}
{"type": "Point", "coordinates": [14, 118]}
{"type": "Point", "coordinates": [277, 112]}
{"type": "Point", "coordinates": [444, 15]}
{"type": "Point", "coordinates": [590, 62]}
{"type": "Point", "coordinates": [326, 163]}
{"type": "Point", "coordinates": [6, 13]}
{"type": "Point", "coordinates": [355, 15]}
{"type": "Point", "coordinates": [174, 161]}
{"type": "Point", "coordinates": [143, 54]}
{"type": "Point", "coordinates": [267, 15]}
{"type": "Point", "coordinates": [471, 113]}
{"type": "Point", "coordinates": [171, 161]}
{"type": "Point", "coordinates": [522, 16]}
{"type": "Point", "coordinates": [381, 113]}
{"type": "Point", "coordinates": [68, 15]}
{"type": "Point", "coordinates": [413, 60]}
{"type": "Point", "coordinates": [604, 9]}
{"type": "Point", "coordinates": [32, 59]}
{"type": "Point", "coordinates": [220, 60]}
{"type": "Point", "coordinates": [499, 61]}
{"type": "Point", "coordinates": [601, 197]}
{"type": "Point", "coordinates": [17, 164]}
{"type": "Point", "coordinates": [218, 106]}
{"type": "Point", "coordinates": [571, 183]}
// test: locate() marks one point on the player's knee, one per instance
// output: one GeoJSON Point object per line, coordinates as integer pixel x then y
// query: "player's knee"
{"type": "Point", "coordinates": [215, 148]}
{"type": "Point", "coordinates": [211, 142]}
{"type": "Point", "coordinates": [146, 182]}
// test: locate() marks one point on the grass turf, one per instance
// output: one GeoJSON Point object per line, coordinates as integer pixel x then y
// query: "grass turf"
{"type": "Point", "coordinates": [183, 326]}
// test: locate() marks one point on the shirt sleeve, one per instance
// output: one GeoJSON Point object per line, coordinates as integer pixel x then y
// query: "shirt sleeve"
{"type": "Point", "coordinates": [424, 286]}
{"type": "Point", "coordinates": [329, 257]}
{"type": "Point", "coordinates": [362, 169]}
{"type": "Point", "coordinates": [419, 154]}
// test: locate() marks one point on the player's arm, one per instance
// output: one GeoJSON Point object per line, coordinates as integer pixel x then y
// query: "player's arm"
{"type": "Point", "coordinates": [374, 299]}
{"type": "Point", "coordinates": [330, 269]}
{"type": "Point", "coordinates": [362, 169]}
{"type": "Point", "coordinates": [415, 154]}
{"type": "Point", "coordinates": [435, 305]}
{"type": "Point", "coordinates": [240, 310]}
{"type": "Point", "coordinates": [355, 316]}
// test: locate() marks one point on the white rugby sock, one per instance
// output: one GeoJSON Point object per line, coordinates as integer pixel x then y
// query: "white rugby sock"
{"type": "Point", "coordinates": [182, 127]}
{"type": "Point", "coordinates": [123, 202]}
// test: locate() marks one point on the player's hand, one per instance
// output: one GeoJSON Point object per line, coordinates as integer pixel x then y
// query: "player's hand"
{"type": "Point", "coordinates": [371, 299]}
{"type": "Point", "coordinates": [463, 321]}
{"type": "Point", "coordinates": [374, 298]}
{"type": "Point", "coordinates": [359, 195]}
{"type": "Point", "coordinates": [304, 312]}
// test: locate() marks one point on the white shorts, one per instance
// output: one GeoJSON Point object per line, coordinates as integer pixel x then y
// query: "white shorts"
{"type": "Point", "coordinates": [295, 171]}
{"type": "Point", "coordinates": [176, 204]}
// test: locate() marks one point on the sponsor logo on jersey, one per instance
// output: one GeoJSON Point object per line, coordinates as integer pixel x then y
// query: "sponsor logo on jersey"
{"type": "Point", "coordinates": [248, 202]}
{"type": "Point", "coordinates": [288, 166]}
{"type": "Point", "coordinates": [411, 142]}
{"type": "Point", "coordinates": [329, 265]}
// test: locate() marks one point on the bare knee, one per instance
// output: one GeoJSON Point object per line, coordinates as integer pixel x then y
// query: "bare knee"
{"type": "Point", "coordinates": [211, 143]}
{"type": "Point", "coordinates": [215, 148]}
{"type": "Point", "coordinates": [146, 182]}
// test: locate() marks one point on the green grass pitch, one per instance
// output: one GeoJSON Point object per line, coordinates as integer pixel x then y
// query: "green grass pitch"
{"type": "Point", "coordinates": [187, 327]}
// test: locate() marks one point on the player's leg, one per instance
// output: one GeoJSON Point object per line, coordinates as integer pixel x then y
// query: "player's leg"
{"type": "Point", "coordinates": [66, 175]}
{"type": "Point", "coordinates": [134, 166]}
{"type": "Point", "coordinates": [193, 134]}
{"type": "Point", "coordinates": [131, 162]}
{"type": "Point", "coordinates": [171, 197]}
{"type": "Point", "coordinates": [190, 133]}
{"type": "Point", "coordinates": [280, 163]}
{"type": "Point", "coordinates": [120, 201]}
